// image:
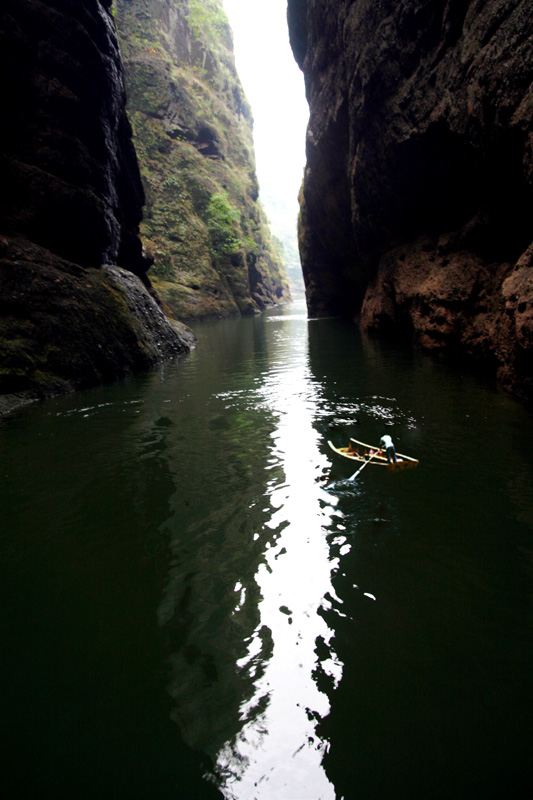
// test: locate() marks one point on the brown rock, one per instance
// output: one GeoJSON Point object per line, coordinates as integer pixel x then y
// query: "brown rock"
{"type": "Point", "coordinates": [418, 193]}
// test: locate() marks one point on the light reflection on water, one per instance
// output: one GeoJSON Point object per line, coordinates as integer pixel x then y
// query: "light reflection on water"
{"type": "Point", "coordinates": [277, 753]}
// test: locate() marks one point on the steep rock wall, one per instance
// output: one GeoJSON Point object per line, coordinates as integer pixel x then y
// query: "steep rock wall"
{"type": "Point", "coordinates": [416, 208]}
{"type": "Point", "coordinates": [71, 201]}
{"type": "Point", "coordinates": [213, 252]}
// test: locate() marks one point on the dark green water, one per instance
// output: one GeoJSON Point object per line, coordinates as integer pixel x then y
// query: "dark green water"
{"type": "Point", "coordinates": [196, 603]}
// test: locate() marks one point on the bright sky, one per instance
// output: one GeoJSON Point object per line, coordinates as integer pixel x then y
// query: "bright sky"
{"type": "Point", "coordinates": [275, 89]}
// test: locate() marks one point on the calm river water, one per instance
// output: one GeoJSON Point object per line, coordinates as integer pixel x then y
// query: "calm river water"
{"type": "Point", "coordinates": [197, 603]}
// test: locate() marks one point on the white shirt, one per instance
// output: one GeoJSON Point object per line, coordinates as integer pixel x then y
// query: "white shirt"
{"type": "Point", "coordinates": [386, 441]}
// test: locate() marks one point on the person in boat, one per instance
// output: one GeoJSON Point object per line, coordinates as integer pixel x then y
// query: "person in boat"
{"type": "Point", "coordinates": [386, 444]}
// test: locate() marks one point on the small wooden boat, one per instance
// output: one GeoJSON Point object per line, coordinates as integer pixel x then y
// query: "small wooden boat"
{"type": "Point", "coordinates": [361, 452]}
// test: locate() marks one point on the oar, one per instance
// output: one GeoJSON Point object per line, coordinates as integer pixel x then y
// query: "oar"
{"type": "Point", "coordinates": [367, 462]}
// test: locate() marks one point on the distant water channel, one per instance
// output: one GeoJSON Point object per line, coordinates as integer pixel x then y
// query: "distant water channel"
{"type": "Point", "coordinates": [197, 603]}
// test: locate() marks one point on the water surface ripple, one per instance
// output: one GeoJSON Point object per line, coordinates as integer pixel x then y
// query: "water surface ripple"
{"type": "Point", "coordinates": [197, 603]}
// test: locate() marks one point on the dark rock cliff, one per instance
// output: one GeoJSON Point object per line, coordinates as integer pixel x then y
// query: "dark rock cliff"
{"type": "Point", "coordinates": [71, 202]}
{"type": "Point", "coordinates": [213, 252]}
{"type": "Point", "coordinates": [416, 208]}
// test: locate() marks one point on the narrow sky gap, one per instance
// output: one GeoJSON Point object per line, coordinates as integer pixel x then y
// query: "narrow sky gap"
{"type": "Point", "coordinates": [275, 89]}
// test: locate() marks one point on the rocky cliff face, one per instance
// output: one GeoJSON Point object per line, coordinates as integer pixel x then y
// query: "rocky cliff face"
{"type": "Point", "coordinates": [416, 209]}
{"type": "Point", "coordinates": [213, 253]}
{"type": "Point", "coordinates": [71, 201]}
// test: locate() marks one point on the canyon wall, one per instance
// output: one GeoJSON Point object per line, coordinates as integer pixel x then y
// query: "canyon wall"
{"type": "Point", "coordinates": [203, 224]}
{"type": "Point", "coordinates": [75, 305]}
{"type": "Point", "coordinates": [416, 208]}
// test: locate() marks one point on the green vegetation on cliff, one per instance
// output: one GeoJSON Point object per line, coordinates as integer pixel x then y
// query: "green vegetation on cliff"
{"type": "Point", "coordinates": [213, 252]}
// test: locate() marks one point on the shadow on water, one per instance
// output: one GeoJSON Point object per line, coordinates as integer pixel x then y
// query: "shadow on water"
{"type": "Point", "coordinates": [84, 490]}
{"type": "Point", "coordinates": [197, 603]}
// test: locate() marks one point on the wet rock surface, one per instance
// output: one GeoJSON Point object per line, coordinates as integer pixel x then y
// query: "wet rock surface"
{"type": "Point", "coordinates": [417, 201]}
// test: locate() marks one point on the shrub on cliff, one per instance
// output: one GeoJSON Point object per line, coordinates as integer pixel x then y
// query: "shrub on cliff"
{"type": "Point", "coordinates": [223, 225]}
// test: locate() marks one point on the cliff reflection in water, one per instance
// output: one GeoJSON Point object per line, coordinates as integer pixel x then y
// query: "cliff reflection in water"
{"type": "Point", "coordinates": [191, 587]}
{"type": "Point", "coordinates": [249, 573]}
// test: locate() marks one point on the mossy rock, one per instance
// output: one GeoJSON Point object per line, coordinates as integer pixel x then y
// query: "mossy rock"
{"type": "Point", "coordinates": [113, 325]}
{"type": "Point", "coordinates": [193, 134]}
